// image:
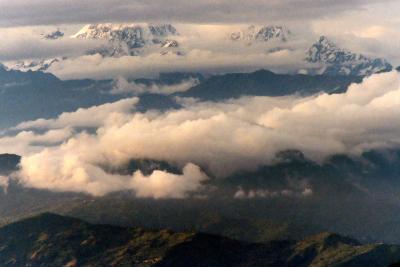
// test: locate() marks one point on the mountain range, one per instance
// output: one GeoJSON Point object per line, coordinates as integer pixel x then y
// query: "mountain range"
{"type": "Point", "coordinates": [267, 83]}
{"type": "Point", "coordinates": [140, 39]}
{"type": "Point", "coordinates": [282, 168]}
{"type": "Point", "coordinates": [34, 94]}
{"type": "Point", "coordinates": [257, 210]}
{"type": "Point", "coordinates": [25, 94]}
{"type": "Point", "coordinates": [50, 239]}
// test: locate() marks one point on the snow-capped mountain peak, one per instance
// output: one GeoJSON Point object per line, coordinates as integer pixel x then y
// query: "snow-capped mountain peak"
{"type": "Point", "coordinates": [36, 65]}
{"type": "Point", "coordinates": [142, 39]}
{"type": "Point", "coordinates": [339, 61]}
{"type": "Point", "coordinates": [126, 39]}
{"type": "Point", "coordinates": [324, 50]}
{"type": "Point", "coordinates": [110, 31]}
{"type": "Point", "coordinates": [273, 32]}
{"type": "Point", "coordinates": [262, 34]}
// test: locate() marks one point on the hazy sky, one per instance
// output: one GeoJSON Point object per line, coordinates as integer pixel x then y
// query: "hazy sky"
{"type": "Point", "coordinates": [45, 12]}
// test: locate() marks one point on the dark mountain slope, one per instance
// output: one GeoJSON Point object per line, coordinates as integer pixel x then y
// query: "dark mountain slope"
{"type": "Point", "coordinates": [8, 163]}
{"type": "Point", "coordinates": [53, 240]}
{"type": "Point", "coordinates": [58, 241]}
{"type": "Point", "coordinates": [327, 249]}
{"type": "Point", "coordinates": [13, 77]}
{"type": "Point", "coordinates": [32, 95]}
{"type": "Point", "coordinates": [266, 83]}
{"type": "Point", "coordinates": [355, 196]}
{"type": "Point", "coordinates": [364, 204]}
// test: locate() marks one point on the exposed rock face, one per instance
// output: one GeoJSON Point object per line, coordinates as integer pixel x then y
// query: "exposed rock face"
{"type": "Point", "coordinates": [342, 62]}
{"type": "Point", "coordinates": [36, 65]}
{"type": "Point", "coordinates": [128, 39]}
{"type": "Point", "coordinates": [263, 34]}
{"type": "Point", "coordinates": [54, 35]}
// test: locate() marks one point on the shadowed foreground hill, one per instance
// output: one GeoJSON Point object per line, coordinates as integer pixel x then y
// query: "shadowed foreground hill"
{"type": "Point", "coordinates": [53, 240]}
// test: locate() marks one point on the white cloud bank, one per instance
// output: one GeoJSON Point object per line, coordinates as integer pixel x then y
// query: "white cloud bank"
{"type": "Point", "coordinates": [64, 170]}
{"type": "Point", "coordinates": [194, 60]}
{"type": "Point", "coordinates": [221, 138]}
{"type": "Point", "coordinates": [92, 117]}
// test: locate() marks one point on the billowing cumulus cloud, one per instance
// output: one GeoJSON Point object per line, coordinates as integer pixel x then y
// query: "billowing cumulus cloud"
{"type": "Point", "coordinates": [25, 142]}
{"type": "Point", "coordinates": [68, 169]}
{"type": "Point", "coordinates": [92, 117]}
{"type": "Point", "coordinates": [220, 138]}
{"type": "Point", "coordinates": [161, 184]}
